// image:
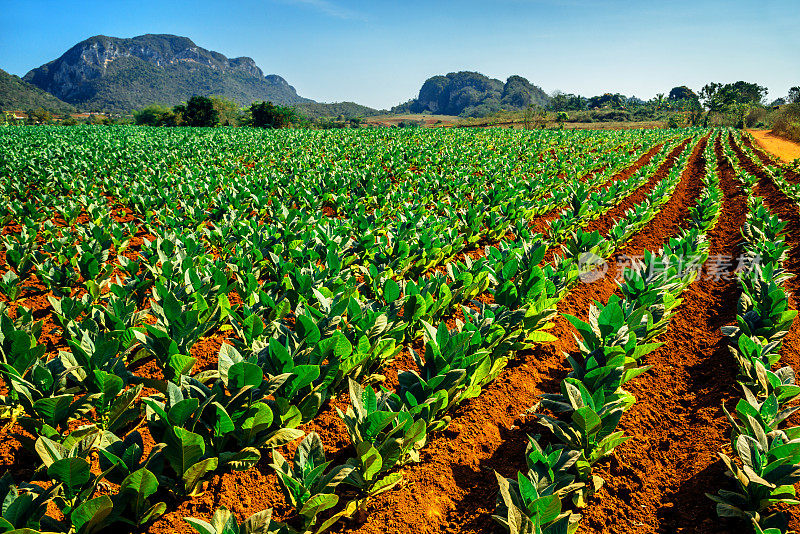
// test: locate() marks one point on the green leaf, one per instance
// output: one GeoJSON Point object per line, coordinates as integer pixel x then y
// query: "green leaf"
{"type": "Point", "coordinates": [141, 481]}
{"type": "Point", "coordinates": [244, 374]}
{"type": "Point", "coordinates": [72, 472]}
{"type": "Point", "coordinates": [307, 330]}
{"type": "Point", "coordinates": [90, 516]}
{"type": "Point", "coordinates": [318, 503]}
{"type": "Point", "coordinates": [194, 475]}
{"type": "Point", "coordinates": [184, 449]}
{"type": "Point", "coordinates": [54, 410]}
{"type": "Point", "coordinates": [391, 290]}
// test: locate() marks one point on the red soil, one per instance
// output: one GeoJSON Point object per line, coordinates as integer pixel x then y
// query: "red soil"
{"type": "Point", "coordinates": [453, 489]}
{"type": "Point", "coordinates": [656, 482]}
{"type": "Point", "coordinates": [787, 210]}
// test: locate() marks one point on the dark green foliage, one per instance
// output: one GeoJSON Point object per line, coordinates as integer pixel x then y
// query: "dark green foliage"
{"type": "Point", "coordinates": [567, 102]}
{"type": "Point", "coordinates": [152, 115]}
{"type": "Point", "coordinates": [16, 94]}
{"type": "Point", "coordinates": [343, 110]}
{"type": "Point", "coordinates": [717, 96]}
{"type": "Point", "coordinates": [607, 100]}
{"type": "Point", "coordinates": [198, 111]}
{"type": "Point", "coordinates": [268, 115]}
{"type": "Point", "coordinates": [682, 93]}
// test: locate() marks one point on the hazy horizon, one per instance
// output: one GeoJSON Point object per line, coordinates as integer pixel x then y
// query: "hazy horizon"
{"type": "Point", "coordinates": [379, 53]}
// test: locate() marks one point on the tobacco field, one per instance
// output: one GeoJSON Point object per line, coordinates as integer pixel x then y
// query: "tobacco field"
{"type": "Point", "coordinates": [232, 331]}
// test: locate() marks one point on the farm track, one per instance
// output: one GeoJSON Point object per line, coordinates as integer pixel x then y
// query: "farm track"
{"type": "Point", "coordinates": [453, 489]}
{"type": "Point", "coordinates": [787, 210]}
{"type": "Point", "coordinates": [791, 176]}
{"type": "Point", "coordinates": [780, 148]}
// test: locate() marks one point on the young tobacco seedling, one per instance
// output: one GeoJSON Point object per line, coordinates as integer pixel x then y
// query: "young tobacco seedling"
{"type": "Point", "coordinates": [306, 483]}
{"type": "Point", "coordinates": [224, 522]}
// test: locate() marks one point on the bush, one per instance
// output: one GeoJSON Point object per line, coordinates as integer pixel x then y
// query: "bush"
{"type": "Point", "coordinates": [153, 115]}
{"type": "Point", "coordinates": [754, 116]}
{"type": "Point", "coordinates": [787, 122]}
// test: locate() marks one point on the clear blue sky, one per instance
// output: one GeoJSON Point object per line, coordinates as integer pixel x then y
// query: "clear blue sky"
{"type": "Point", "coordinates": [378, 53]}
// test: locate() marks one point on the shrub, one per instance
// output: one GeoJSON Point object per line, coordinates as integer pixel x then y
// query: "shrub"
{"type": "Point", "coordinates": [787, 122]}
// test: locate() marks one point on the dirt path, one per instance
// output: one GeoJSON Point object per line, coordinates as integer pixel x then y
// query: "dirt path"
{"type": "Point", "coordinates": [792, 176]}
{"type": "Point", "coordinates": [453, 489]}
{"type": "Point", "coordinates": [786, 150]}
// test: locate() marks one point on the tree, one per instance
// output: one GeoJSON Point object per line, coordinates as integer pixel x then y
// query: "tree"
{"type": "Point", "coordinates": [562, 117]}
{"type": "Point", "coordinates": [682, 93]}
{"type": "Point", "coordinates": [39, 116]}
{"type": "Point", "coordinates": [716, 96]}
{"type": "Point", "coordinates": [98, 119]}
{"type": "Point", "coordinates": [151, 115]}
{"type": "Point", "coordinates": [794, 95]}
{"type": "Point", "coordinates": [268, 115]}
{"type": "Point", "coordinates": [198, 111]}
{"type": "Point", "coordinates": [567, 102]}
{"type": "Point", "coordinates": [228, 111]}
{"type": "Point", "coordinates": [615, 101]}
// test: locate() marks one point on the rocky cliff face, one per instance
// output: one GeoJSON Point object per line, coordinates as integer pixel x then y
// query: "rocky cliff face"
{"type": "Point", "coordinates": [110, 71]}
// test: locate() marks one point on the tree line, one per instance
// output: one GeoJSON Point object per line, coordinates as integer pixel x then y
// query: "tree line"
{"type": "Point", "coordinates": [213, 111]}
{"type": "Point", "coordinates": [738, 104]}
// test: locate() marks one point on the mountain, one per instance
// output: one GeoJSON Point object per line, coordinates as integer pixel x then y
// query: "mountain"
{"type": "Point", "coordinates": [16, 94]}
{"type": "Point", "coordinates": [114, 74]}
{"type": "Point", "coordinates": [471, 94]}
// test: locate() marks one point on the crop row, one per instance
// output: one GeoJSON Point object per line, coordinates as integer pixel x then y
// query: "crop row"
{"type": "Point", "coordinates": [766, 459]}
{"type": "Point", "coordinates": [311, 309]}
{"type": "Point", "coordinates": [584, 415]}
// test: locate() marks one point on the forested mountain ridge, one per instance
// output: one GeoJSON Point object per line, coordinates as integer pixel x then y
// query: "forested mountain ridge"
{"type": "Point", "coordinates": [472, 94]}
{"type": "Point", "coordinates": [16, 94]}
{"type": "Point", "coordinates": [115, 74]}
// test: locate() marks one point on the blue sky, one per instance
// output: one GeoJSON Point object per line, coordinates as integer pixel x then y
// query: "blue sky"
{"type": "Point", "coordinates": [378, 53]}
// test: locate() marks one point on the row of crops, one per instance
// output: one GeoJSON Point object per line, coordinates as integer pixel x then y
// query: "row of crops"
{"type": "Point", "coordinates": [324, 264]}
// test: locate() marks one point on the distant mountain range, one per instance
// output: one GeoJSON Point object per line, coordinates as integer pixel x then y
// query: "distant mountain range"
{"type": "Point", "coordinates": [16, 94]}
{"type": "Point", "coordinates": [471, 94]}
{"type": "Point", "coordinates": [113, 74]}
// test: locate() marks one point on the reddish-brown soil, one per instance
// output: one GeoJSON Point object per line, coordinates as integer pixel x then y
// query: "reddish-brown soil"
{"type": "Point", "coordinates": [453, 489]}
{"type": "Point", "coordinates": [787, 210]}
{"type": "Point", "coordinates": [638, 196]}
{"type": "Point", "coordinates": [657, 481]}
{"type": "Point", "coordinates": [542, 223]}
